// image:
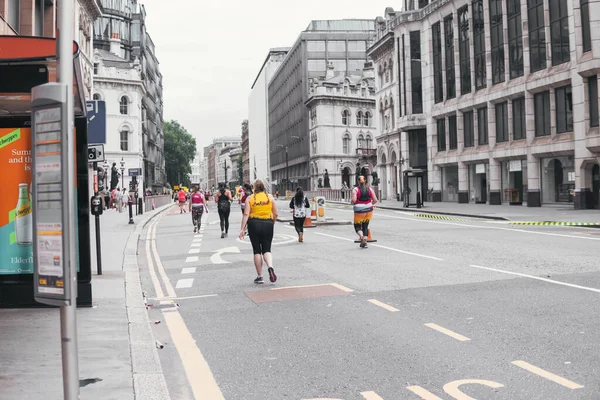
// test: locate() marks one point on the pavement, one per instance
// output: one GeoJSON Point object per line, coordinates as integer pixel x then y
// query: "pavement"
{"type": "Point", "coordinates": [435, 309]}
{"type": "Point", "coordinates": [117, 356]}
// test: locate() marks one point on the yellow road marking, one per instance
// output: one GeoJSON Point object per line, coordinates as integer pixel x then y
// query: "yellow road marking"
{"type": "Point", "coordinates": [448, 332]}
{"type": "Point", "coordinates": [371, 396]}
{"type": "Point", "coordinates": [383, 305]}
{"type": "Point", "coordinates": [424, 394]}
{"type": "Point", "coordinates": [452, 388]}
{"type": "Point", "coordinates": [548, 375]}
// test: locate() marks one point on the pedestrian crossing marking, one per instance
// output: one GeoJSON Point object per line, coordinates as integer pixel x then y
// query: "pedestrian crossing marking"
{"type": "Point", "coordinates": [184, 283]}
{"type": "Point", "coordinates": [188, 270]}
{"type": "Point", "coordinates": [191, 259]}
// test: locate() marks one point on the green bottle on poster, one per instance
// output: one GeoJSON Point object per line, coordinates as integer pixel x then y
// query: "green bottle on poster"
{"type": "Point", "coordinates": [23, 217]}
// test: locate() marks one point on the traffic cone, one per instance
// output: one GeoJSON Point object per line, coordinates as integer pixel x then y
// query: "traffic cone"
{"type": "Point", "coordinates": [308, 223]}
{"type": "Point", "coordinates": [313, 210]}
{"type": "Point", "coordinates": [370, 238]}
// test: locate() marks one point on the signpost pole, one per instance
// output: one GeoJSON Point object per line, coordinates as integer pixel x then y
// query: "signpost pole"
{"type": "Point", "coordinates": [98, 246]}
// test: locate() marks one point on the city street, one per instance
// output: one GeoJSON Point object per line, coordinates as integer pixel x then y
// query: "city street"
{"type": "Point", "coordinates": [435, 309]}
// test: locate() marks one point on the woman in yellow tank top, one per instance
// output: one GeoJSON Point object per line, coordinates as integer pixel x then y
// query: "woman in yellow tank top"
{"type": "Point", "coordinates": [260, 216]}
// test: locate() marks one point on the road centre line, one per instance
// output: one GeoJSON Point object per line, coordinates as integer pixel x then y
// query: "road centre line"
{"type": "Point", "coordinates": [382, 247]}
{"type": "Point", "coordinates": [539, 278]}
{"type": "Point", "coordinates": [383, 305]}
{"type": "Point", "coordinates": [448, 332]}
{"type": "Point", "coordinates": [159, 265]}
{"type": "Point", "coordinates": [547, 375]}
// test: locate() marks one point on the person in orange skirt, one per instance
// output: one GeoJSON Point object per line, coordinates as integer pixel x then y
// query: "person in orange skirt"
{"type": "Point", "coordinates": [363, 199]}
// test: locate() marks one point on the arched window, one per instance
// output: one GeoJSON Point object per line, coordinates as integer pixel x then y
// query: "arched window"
{"type": "Point", "coordinates": [369, 141]}
{"type": "Point", "coordinates": [346, 143]}
{"type": "Point", "coordinates": [313, 142]}
{"type": "Point", "coordinates": [346, 117]}
{"type": "Point", "coordinates": [359, 118]}
{"type": "Point", "coordinates": [392, 114]}
{"type": "Point", "coordinates": [124, 139]}
{"type": "Point", "coordinates": [360, 142]}
{"type": "Point", "coordinates": [123, 105]}
{"type": "Point", "coordinates": [97, 96]}
{"type": "Point", "coordinates": [367, 119]}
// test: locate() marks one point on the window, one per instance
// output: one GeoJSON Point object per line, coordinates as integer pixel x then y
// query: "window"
{"type": "Point", "coordinates": [313, 142]}
{"type": "Point", "coordinates": [537, 34]}
{"type": "Point", "coordinates": [123, 106]}
{"type": "Point", "coordinates": [515, 39]}
{"type": "Point", "coordinates": [346, 117]}
{"type": "Point", "coordinates": [438, 79]}
{"type": "Point", "coordinates": [593, 100]}
{"type": "Point", "coordinates": [464, 50]}
{"type": "Point", "coordinates": [358, 46]}
{"type": "Point", "coordinates": [40, 5]}
{"type": "Point", "coordinates": [468, 129]}
{"type": "Point", "coordinates": [564, 109]}
{"type": "Point", "coordinates": [441, 134]}
{"type": "Point", "coordinates": [367, 119]}
{"type": "Point", "coordinates": [124, 140]}
{"type": "Point", "coordinates": [369, 141]}
{"type": "Point", "coordinates": [541, 103]}
{"type": "Point", "coordinates": [502, 122]}
{"type": "Point", "coordinates": [586, 34]}
{"type": "Point", "coordinates": [559, 31]}
{"type": "Point", "coordinates": [96, 67]}
{"type": "Point", "coordinates": [415, 72]}
{"type": "Point", "coordinates": [359, 118]}
{"type": "Point", "coordinates": [315, 45]}
{"type": "Point", "coordinates": [13, 14]}
{"type": "Point", "coordinates": [479, 44]}
{"type": "Point", "coordinates": [449, 44]}
{"type": "Point", "coordinates": [497, 41]}
{"type": "Point", "coordinates": [336, 46]}
{"type": "Point", "coordinates": [519, 118]}
{"type": "Point", "coordinates": [452, 132]}
{"type": "Point", "coordinates": [355, 65]}
{"type": "Point", "coordinates": [97, 96]}
{"type": "Point", "coordinates": [346, 143]}
{"type": "Point", "coordinates": [316, 66]}
{"type": "Point", "coordinates": [360, 142]}
{"type": "Point", "coordinates": [339, 65]}
{"type": "Point", "coordinates": [482, 125]}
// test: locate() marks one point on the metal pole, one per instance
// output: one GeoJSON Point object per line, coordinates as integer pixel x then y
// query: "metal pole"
{"type": "Point", "coordinates": [287, 169]}
{"type": "Point", "coordinates": [98, 246]}
{"type": "Point", "coordinates": [68, 313]}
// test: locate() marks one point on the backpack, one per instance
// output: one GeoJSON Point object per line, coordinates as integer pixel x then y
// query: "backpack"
{"type": "Point", "coordinates": [300, 211]}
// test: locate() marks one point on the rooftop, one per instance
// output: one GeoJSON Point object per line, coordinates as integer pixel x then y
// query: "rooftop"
{"type": "Point", "coordinates": [342, 25]}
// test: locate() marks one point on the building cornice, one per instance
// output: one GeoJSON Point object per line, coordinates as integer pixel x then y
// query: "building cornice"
{"type": "Point", "coordinates": [382, 46]}
{"type": "Point", "coordinates": [121, 82]}
{"type": "Point", "coordinates": [92, 7]}
{"type": "Point", "coordinates": [331, 98]}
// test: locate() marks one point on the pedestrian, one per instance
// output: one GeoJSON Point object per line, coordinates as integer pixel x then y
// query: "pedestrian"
{"type": "Point", "coordinates": [299, 204]}
{"type": "Point", "coordinates": [223, 200]}
{"type": "Point", "coordinates": [363, 199]}
{"type": "Point", "coordinates": [197, 207]}
{"type": "Point", "coordinates": [124, 199]}
{"type": "Point", "coordinates": [245, 191]}
{"type": "Point", "coordinates": [277, 194]}
{"type": "Point", "coordinates": [182, 198]}
{"type": "Point", "coordinates": [260, 216]}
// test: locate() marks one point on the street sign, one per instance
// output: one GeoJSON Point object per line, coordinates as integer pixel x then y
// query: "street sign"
{"type": "Point", "coordinates": [96, 116]}
{"type": "Point", "coordinates": [134, 171]}
{"type": "Point", "coordinates": [95, 153]}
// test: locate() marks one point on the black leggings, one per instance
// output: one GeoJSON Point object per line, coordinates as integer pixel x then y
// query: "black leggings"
{"type": "Point", "coordinates": [299, 224]}
{"type": "Point", "coordinates": [197, 215]}
{"type": "Point", "coordinates": [261, 235]}
{"type": "Point", "coordinates": [224, 210]}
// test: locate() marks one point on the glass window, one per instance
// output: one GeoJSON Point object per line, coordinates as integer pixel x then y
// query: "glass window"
{"type": "Point", "coordinates": [464, 50]}
{"type": "Point", "coordinates": [359, 118]}
{"type": "Point", "coordinates": [97, 96]}
{"type": "Point", "coordinates": [519, 118]}
{"type": "Point", "coordinates": [502, 122]}
{"type": "Point", "coordinates": [441, 134]}
{"type": "Point", "coordinates": [40, 5]}
{"type": "Point", "coordinates": [479, 44]}
{"type": "Point", "coordinates": [346, 117]}
{"type": "Point", "coordinates": [336, 46]}
{"type": "Point", "coordinates": [317, 66]}
{"type": "Point", "coordinates": [416, 72]}
{"type": "Point", "coordinates": [123, 106]}
{"type": "Point", "coordinates": [360, 46]}
{"type": "Point", "coordinates": [452, 132]}
{"type": "Point", "coordinates": [367, 119]}
{"type": "Point", "coordinates": [125, 140]}
{"type": "Point", "coordinates": [449, 45]}
{"type": "Point", "coordinates": [468, 129]}
{"type": "Point", "coordinates": [542, 113]}
{"type": "Point", "coordinates": [438, 78]}
{"type": "Point", "coordinates": [13, 14]}
{"type": "Point", "coordinates": [369, 141]}
{"type": "Point", "coordinates": [339, 65]}
{"type": "Point", "coordinates": [361, 142]}
{"type": "Point", "coordinates": [593, 100]}
{"type": "Point", "coordinates": [96, 66]}
{"type": "Point", "coordinates": [564, 109]}
{"type": "Point", "coordinates": [356, 65]}
{"type": "Point", "coordinates": [559, 31]}
{"type": "Point", "coordinates": [497, 41]}
{"type": "Point", "coordinates": [315, 45]}
{"type": "Point", "coordinates": [482, 125]}
{"type": "Point", "coordinates": [515, 39]}
{"type": "Point", "coordinates": [585, 25]}
{"type": "Point", "coordinates": [346, 144]}
{"type": "Point", "coordinates": [537, 34]}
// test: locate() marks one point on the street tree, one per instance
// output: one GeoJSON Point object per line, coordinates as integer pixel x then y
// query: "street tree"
{"type": "Point", "coordinates": [180, 150]}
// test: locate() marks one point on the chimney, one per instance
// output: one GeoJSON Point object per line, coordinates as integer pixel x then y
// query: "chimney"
{"type": "Point", "coordinates": [115, 45]}
{"type": "Point", "coordinates": [330, 71]}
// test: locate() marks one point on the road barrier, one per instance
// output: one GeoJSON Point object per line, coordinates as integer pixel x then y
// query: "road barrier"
{"type": "Point", "coordinates": [153, 202]}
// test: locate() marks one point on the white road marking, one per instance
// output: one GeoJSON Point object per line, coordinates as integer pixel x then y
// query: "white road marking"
{"type": "Point", "coordinates": [216, 258]}
{"type": "Point", "coordinates": [371, 396]}
{"type": "Point", "coordinates": [159, 265]}
{"type": "Point", "coordinates": [185, 283]}
{"type": "Point", "coordinates": [194, 251]}
{"type": "Point", "coordinates": [166, 302]}
{"type": "Point", "coordinates": [278, 239]}
{"type": "Point", "coordinates": [448, 332]}
{"type": "Point", "coordinates": [383, 305]}
{"type": "Point", "coordinates": [188, 270]}
{"type": "Point", "coordinates": [382, 247]}
{"type": "Point", "coordinates": [191, 259]}
{"type": "Point", "coordinates": [196, 245]}
{"type": "Point", "coordinates": [538, 278]}
{"type": "Point", "coordinates": [548, 375]}
{"type": "Point", "coordinates": [336, 285]}
{"type": "Point", "coordinates": [423, 393]}
{"type": "Point", "coordinates": [453, 388]}
{"type": "Point", "coordinates": [196, 297]}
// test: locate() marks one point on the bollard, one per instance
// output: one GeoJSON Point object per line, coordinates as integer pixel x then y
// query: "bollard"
{"type": "Point", "coordinates": [130, 211]}
{"type": "Point", "coordinates": [418, 199]}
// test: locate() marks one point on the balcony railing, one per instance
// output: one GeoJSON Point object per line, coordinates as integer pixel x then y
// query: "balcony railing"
{"type": "Point", "coordinates": [366, 152]}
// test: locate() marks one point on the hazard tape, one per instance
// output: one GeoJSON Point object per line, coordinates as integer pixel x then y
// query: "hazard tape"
{"type": "Point", "coordinates": [554, 223]}
{"type": "Point", "coordinates": [442, 217]}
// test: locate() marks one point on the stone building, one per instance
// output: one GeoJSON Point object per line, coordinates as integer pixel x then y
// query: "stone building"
{"type": "Point", "coordinates": [498, 99]}
{"type": "Point", "coordinates": [245, 152]}
{"type": "Point", "coordinates": [343, 127]}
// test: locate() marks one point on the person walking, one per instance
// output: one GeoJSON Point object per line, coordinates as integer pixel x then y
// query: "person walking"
{"type": "Point", "coordinates": [299, 204]}
{"type": "Point", "coordinates": [223, 200]}
{"type": "Point", "coordinates": [124, 200]}
{"type": "Point", "coordinates": [197, 207]}
{"type": "Point", "coordinates": [245, 191]}
{"type": "Point", "coordinates": [363, 199]}
{"type": "Point", "coordinates": [182, 199]}
{"type": "Point", "coordinates": [260, 216]}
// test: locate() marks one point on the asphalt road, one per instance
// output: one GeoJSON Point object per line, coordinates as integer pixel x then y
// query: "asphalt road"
{"type": "Point", "coordinates": [435, 309]}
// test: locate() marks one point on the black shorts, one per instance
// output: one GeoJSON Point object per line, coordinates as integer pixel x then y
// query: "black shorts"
{"type": "Point", "coordinates": [261, 235]}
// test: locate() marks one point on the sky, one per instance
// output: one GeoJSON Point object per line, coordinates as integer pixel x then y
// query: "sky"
{"type": "Point", "coordinates": [210, 52]}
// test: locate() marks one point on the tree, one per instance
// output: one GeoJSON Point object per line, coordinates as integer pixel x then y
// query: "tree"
{"type": "Point", "coordinates": [180, 151]}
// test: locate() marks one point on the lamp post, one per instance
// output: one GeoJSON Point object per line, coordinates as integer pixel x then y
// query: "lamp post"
{"type": "Point", "coordinates": [122, 173]}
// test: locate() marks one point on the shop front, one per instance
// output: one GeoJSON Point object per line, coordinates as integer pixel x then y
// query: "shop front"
{"type": "Point", "coordinates": [514, 181]}
{"type": "Point", "coordinates": [450, 183]}
{"type": "Point", "coordinates": [479, 187]}
{"type": "Point", "coordinates": [558, 179]}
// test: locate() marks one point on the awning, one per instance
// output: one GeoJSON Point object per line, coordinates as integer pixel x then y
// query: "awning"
{"type": "Point", "coordinates": [26, 62]}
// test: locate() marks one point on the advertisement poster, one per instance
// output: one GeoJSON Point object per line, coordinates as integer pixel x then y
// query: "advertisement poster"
{"type": "Point", "coordinates": [16, 255]}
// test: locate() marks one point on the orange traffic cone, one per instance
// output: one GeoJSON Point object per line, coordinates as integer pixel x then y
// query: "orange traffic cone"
{"type": "Point", "coordinates": [370, 238]}
{"type": "Point", "coordinates": [313, 209]}
{"type": "Point", "coordinates": [308, 222]}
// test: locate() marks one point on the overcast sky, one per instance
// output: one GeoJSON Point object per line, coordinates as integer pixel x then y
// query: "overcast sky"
{"type": "Point", "coordinates": [210, 52]}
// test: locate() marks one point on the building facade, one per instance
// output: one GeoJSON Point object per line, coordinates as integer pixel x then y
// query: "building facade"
{"type": "Point", "coordinates": [505, 96]}
{"type": "Point", "coordinates": [258, 117]}
{"type": "Point", "coordinates": [214, 160]}
{"type": "Point", "coordinates": [341, 109]}
{"type": "Point", "coordinates": [198, 167]}
{"type": "Point", "coordinates": [245, 152]}
{"type": "Point", "coordinates": [342, 43]}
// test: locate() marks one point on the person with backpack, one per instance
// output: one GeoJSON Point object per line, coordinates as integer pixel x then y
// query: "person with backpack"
{"type": "Point", "coordinates": [363, 199]}
{"type": "Point", "coordinates": [223, 200]}
{"type": "Point", "coordinates": [299, 204]}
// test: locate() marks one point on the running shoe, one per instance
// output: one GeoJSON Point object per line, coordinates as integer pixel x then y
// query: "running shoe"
{"type": "Point", "coordinates": [195, 229]}
{"type": "Point", "coordinates": [259, 280]}
{"type": "Point", "coordinates": [222, 235]}
{"type": "Point", "coordinates": [272, 276]}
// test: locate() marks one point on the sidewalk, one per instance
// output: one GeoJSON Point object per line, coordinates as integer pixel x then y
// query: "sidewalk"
{"type": "Point", "coordinates": [558, 213]}
{"type": "Point", "coordinates": [30, 361]}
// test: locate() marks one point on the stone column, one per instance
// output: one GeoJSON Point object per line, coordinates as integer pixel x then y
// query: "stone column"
{"type": "Point", "coordinates": [495, 197]}
{"type": "Point", "coordinates": [463, 182]}
{"type": "Point", "coordinates": [534, 196]}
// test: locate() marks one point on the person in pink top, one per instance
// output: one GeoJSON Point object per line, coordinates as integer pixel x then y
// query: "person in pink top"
{"type": "Point", "coordinates": [363, 199]}
{"type": "Point", "coordinates": [197, 208]}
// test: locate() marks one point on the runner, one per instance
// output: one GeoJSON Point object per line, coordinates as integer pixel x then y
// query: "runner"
{"type": "Point", "coordinates": [299, 204]}
{"type": "Point", "coordinates": [181, 196]}
{"type": "Point", "coordinates": [197, 207]}
{"type": "Point", "coordinates": [260, 216]}
{"type": "Point", "coordinates": [223, 200]}
{"type": "Point", "coordinates": [363, 199]}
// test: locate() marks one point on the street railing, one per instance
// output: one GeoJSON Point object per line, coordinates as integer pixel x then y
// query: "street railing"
{"type": "Point", "coordinates": [159, 201]}
{"type": "Point", "coordinates": [331, 194]}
